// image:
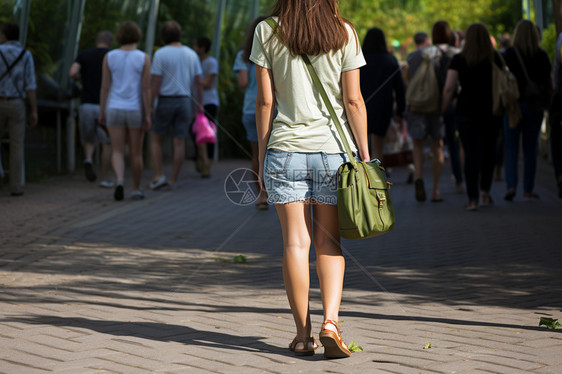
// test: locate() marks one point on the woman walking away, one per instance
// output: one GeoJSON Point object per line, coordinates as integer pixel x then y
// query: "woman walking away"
{"type": "Point", "coordinates": [125, 95]}
{"type": "Point", "coordinates": [381, 86]}
{"type": "Point", "coordinates": [300, 150]}
{"type": "Point", "coordinates": [478, 127]}
{"type": "Point", "coordinates": [531, 66]}
{"type": "Point", "coordinates": [246, 73]}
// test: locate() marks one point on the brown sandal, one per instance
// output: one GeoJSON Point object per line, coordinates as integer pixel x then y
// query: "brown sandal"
{"type": "Point", "coordinates": [334, 346]}
{"type": "Point", "coordinates": [309, 345]}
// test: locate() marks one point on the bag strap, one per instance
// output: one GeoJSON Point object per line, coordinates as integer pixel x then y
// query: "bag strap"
{"type": "Point", "coordinates": [522, 65]}
{"type": "Point", "coordinates": [271, 22]}
{"type": "Point", "coordinates": [10, 66]}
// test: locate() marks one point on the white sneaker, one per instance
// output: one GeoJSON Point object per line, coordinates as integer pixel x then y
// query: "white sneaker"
{"type": "Point", "coordinates": [159, 183]}
{"type": "Point", "coordinates": [137, 195]}
{"type": "Point", "coordinates": [106, 184]}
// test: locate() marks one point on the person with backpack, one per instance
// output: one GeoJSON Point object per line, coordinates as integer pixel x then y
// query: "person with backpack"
{"type": "Point", "coordinates": [17, 81]}
{"type": "Point", "coordinates": [477, 125]}
{"type": "Point", "coordinates": [426, 74]}
{"type": "Point", "coordinates": [531, 66]}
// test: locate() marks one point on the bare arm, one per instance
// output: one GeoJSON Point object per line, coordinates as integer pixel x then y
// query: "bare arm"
{"type": "Point", "coordinates": [449, 89]}
{"type": "Point", "coordinates": [104, 91]}
{"type": "Point", "coordinates": [156, 83]}
{"type": "Point", "coordinates": [146, 99]}
{"type": "Point", "coordinates": [242, 78]}
{"type": "Point", "coordinates": [74, 72]}
{"type": "Point", "coordinates": [209, 81]}
{"type": "Point", "coordinates": [33, 104]}
{"type": "Point", "coordinates": [355, 111]}
{"type": "Point", "coordinates": [199, 92]}
{"type": "Point", "coordinates": [265, 106]}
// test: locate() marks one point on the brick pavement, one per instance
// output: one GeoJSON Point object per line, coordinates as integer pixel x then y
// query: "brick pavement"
{"type": "Point", "coordinates": [95, 286]}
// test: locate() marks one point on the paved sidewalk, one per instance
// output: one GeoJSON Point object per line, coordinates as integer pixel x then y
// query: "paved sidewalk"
{"type": "Point", "coordinates": [90, 285]}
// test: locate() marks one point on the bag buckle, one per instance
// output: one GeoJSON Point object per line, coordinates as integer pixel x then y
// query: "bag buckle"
{"type": "Point", "coordinates": [381, 197]}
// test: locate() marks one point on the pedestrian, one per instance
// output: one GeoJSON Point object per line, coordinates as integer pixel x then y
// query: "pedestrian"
{"type": "Point", "coordinates": [175, 70]}
{"type": "Point", "coordinates": [382, 87]}
{"type": "Point", "coordinates": [88, 68]}
{"type": "Point", "coordinates": [555, 116]}
{"type": "Point", "coordinates": [125, 97]}
{"type": "Point", "coordinates": [300, 150]}
{"type": "Point", "coordinates": [451, 132]}
{"type": "Point", "coordinates": [210, 68]}
{"type": "Point", "coordinates": [429, 125]}
{"type": "Point", "coordinates": [478, 127]}
{"type": "Point", "coordinates": [246, 76]}
{"type": "Point", "coordinates": [17, 82]}
{"type": "Point", "coordinates": [531, 66]}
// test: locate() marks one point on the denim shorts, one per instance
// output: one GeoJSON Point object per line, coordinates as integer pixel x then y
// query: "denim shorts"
{"type": "Point", "coordinates": [249, 122]}
{"type": "Point", "coordinates": [173, 112]}
{"type": "Point", "coordinates": [297, 176]}
{"type": "Point", "coordinates": [131, 119]}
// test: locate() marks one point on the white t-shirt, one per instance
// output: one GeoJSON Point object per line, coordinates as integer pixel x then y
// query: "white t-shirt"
{"type": "Point", "coordinates": [210, 95]}
{"type": "Point", "coordinates": [126, 79]}
{"type": "Point", "coordinates": [303, 123]}
{"type": "Point", "coordinates": [178, 67]}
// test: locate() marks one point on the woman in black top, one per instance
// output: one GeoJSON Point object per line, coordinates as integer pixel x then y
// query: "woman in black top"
{"type": "Point", "coordinates": [478, 127]}
{"type": "Point", "coordinates": [381, 85]}
{"type": "Point", "coordinates": [531, 66]}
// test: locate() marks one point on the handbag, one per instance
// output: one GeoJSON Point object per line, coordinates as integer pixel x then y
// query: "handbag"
{"type": "Point", "coordinates": [205, 130]}
{"type": "Point", "coordinates": [533, 93]}
{"type": "Point", "coordinates": [505, 93]}
{"type": "Point", "coordinates": [365, 207]}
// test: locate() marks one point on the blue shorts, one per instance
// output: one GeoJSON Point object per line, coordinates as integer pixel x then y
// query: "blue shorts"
{"type": "Point", "coordinates": [249, 122]}
{"type": "Point", "coordinates": [173, 112]}
{"type": "Point", "coordinates": [297, 176]}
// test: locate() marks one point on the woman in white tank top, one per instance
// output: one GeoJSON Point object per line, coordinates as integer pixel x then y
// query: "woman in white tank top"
{"type": "Point", "coordinates": [125, 104]}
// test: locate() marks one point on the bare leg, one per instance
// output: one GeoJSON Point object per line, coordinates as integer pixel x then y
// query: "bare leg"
{"type": "Point", "coordinates": [117, 135]}
{"type": "Point", "coordinates": [89, 150]}
{"type": "Point", "coordinates": [330, 263]}
{"type": "Point", "coordinates": [136, 137]}
{"type": "Point", "coordinates": [205, 162]}
{"type": "Point", "coordinates": [418, 157]}
{"type": "Point", "coordinates": [438, 161]}
{"type": "Point", "coordinates": [296, 227]}
{"type": "Point", "coordinates": [105, 158]}
{"type": "Point", "coordinates": [156, 148]}
{"type": "Point", "coordinates": [179, 157]}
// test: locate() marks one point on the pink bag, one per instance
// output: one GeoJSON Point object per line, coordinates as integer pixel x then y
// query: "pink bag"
{"type": "Point", "coordinates": [205, 130]}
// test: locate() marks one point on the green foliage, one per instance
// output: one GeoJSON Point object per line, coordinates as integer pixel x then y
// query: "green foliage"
{"type": "Point", "coordinates": [549, 41]}
{"type": "Point", "coordinates": [401, 19]}
{"type": "Point", "coordinates": [354, 347]}
{"type": "Point", "coordinates": [550, 323]}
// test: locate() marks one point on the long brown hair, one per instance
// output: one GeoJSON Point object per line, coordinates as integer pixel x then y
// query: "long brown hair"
{"type": "Point", "coordinates": [477, 44]}
{"type": "Point", "coordinates": [249, 38]}
{"type": "Point", "coordinates": [311, 27]}
{"type": "Point", "coordinates": [526, 37]}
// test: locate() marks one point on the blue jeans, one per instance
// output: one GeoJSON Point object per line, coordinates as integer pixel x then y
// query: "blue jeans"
{"type": "Point", "coordinates": [527, 130]}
